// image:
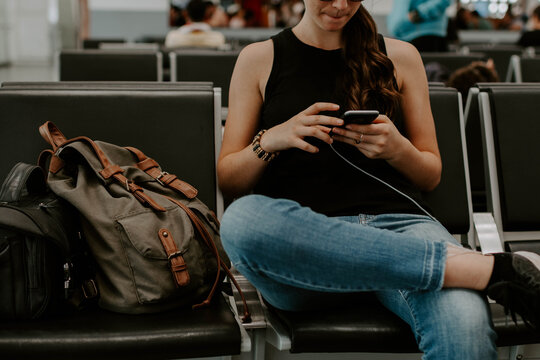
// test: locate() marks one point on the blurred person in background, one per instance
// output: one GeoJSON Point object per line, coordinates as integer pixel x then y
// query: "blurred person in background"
{"type": "Point", "coordinates": [532, 36]}
{"type": "Point", "coordinates": [477, 22]}
{"type": "Point", "coordinates": [468, 76]}
{"type": "Point", "coordinates": [196, 32]}
{"type": "Point", "coordinates": [423, 23]}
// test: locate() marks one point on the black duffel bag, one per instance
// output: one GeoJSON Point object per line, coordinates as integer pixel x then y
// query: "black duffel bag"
{"type": "Point", "coordinates": [43, 263]}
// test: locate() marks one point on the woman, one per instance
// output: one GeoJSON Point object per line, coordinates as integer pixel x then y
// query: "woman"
{"type": "Point", "coordinates": [317, 229]}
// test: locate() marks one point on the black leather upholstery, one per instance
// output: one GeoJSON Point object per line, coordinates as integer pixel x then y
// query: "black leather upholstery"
{"type": "Point", "coordinates": [530, 69]}
{"type": "Point", "coordinates": [104, 335]}
{"type": "Point", "coordinates": [101, 65]}
{"type": "Point", "coordinates": [107, 85]}
{"type": "Point", "coordinates": [173, 123]}
{"type": "Point", "coordinates": [452, 61]}
{"type": "Point", "coordinates": [172, 126]}
{"type": "Point", "coordinates": [475, 150]}
{"type": "Point", "coordinates": [366, 326]}
{"type": "Point", "coordinates": [206, 65]}
{"type": "Point", "coordinates": [449, 200]}
{"type": "Point", "coordinates": [515, 126]}
{"type": "Point", "coordinates": [508, 333]}
{"type": "Point", "coordinates": [93, 43]}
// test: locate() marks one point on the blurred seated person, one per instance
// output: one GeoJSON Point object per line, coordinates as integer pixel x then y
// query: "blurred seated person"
{"type": "Point", "coordinates": [532, 37]}
{"type": "Point", "coordinates": [423, 23]}
{"type": "Point", "coordinates": [196, 32]}
{"type": "Point", "coordinates": [466, 77]}
{"type": "Point", "coordinates": [216, 15]}
{"type": "Point", "coordinates": [477, 22]}
{"type": "Point", "coordinates": [462, 19]}
{"type": "Point", "coordinates": [509, 21]}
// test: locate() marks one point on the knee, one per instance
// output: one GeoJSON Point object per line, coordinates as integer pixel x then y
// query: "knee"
{"type": "Point", "coordinates": [241, 223]}
{"type": "Point", "coordinates": [465, 326]}
{"type": "Point", "coordinates": [233, 227]}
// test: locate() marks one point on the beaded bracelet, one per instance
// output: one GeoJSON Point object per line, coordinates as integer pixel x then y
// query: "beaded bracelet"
{"type": "Point", "coordinates": [259, 151]}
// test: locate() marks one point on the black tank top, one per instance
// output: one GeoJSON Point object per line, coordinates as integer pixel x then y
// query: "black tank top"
{"type": "Point", "coordinates": [301, 76]}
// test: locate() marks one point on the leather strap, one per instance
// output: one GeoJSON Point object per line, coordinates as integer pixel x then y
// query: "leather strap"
{"type": "Point", "coordinates": [52, 135]}
{"type": "Point", "coordinates": [176, 260]}
{"type": "Point", "coordinates": [151, 167]}
{"type": "Point", "coordinates": [209, 241]}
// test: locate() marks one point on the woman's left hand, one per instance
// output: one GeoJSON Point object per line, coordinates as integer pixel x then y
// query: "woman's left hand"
{"type": "Point", "coordinates": [378, 140]}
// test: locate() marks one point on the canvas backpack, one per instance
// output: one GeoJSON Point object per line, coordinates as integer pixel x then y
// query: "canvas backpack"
{"type": "Point", "coordinates": [156, 245]}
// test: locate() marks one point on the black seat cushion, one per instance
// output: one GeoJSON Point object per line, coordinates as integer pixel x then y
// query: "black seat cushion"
{"type": "Point", "coordinates": [366, 326]}
{"type": "Point", "coordinates": [100, 334]}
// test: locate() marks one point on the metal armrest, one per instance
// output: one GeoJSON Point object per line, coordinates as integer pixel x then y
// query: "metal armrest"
{"type": "Point", "coordinates": [486, 233]}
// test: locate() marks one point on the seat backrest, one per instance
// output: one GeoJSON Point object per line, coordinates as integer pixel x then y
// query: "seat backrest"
{"type": "Point", "coordinates": [105, 85]}
{"type": "Point", "coordinates": [239, 38]}
{"type": "Point", "coordinates": [451, 200]}
{"type": "Point", "coordinates": [205, 65]}
{"type": "Point", "coordinates": [510, 130]}
{"type": "Point", "coordinates": [179, 128]}
{"type": "Point", "coordinates": [530, 69]}
{"type": "Point", "coordinates": [104, 65]}
{"type": "Point", "coordinates": [94, 43]}
{"type": "Point", "coordinates": [451, 61]}
{"type": "Point", "coordinates": [473, 134]}
{"type": "Point", "coordinates": [500, 53]}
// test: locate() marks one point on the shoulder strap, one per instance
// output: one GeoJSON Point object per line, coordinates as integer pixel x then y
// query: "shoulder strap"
{"type": "Point", "coordinates": [23, 179]}
{"type": "Point", "coordinates": [151, 167]}
{"type": "Point", "coordinates": [52, 135]}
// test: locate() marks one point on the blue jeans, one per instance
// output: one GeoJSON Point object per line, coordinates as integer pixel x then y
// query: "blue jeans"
{"type": "Point", "coordinates": [299, 259]}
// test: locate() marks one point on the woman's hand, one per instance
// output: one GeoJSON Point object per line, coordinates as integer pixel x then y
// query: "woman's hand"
{"type": "Point", "coordinates": [378, 140]}
{"type": "Point", "coordinates": [308, 123]}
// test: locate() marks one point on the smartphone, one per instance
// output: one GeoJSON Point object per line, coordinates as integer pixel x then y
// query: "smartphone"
{"type": "Point", "coordinates": [361, 117]}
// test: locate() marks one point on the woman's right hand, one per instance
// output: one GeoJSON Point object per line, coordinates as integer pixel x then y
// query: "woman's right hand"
{"type": "Point", "coordinates": [308, 123]}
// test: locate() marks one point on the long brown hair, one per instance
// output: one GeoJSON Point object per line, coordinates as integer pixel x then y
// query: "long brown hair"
{"type": "Point", "coordinates": [369, 74]}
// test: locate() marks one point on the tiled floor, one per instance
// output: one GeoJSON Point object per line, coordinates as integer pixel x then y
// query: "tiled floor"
{"type": "Point", "coordinates": [38, 72]}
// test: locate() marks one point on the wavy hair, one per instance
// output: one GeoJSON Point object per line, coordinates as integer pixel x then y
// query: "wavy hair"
{"type": "Point", "coordinates": [369, 79]}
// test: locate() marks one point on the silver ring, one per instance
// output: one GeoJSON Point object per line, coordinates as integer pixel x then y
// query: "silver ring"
{"type": "Point", "coordinates": [359, 140]}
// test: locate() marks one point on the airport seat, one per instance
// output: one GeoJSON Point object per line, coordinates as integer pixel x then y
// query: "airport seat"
{"type": "Point", "coordinates": [524, 69]}
{"type": "Point", "coordinates": [106, 85]}
{"type": "Point", "coordinates": [93, 43]}
{"type": "Point", "coordinates": [473, 134]}
{"type": "Point", "coordinates": [451, 60]}
{"type": "Point", "coordinates": [371, 328]}
{"type": "Point", "coordinates": [509, 130]}
{"type": "Point", "coordinates": [500, 53]}
{"type": "Point", "coordinates": [105, 65]}
{"type": "Point", "coordinates": [238, 38]}
{"type": "Point", "coordinates": [204, 65]}
{"type": "Point", "coordinates": [180, 128]}
{"type": "Point", "coordinates": [101, 334]}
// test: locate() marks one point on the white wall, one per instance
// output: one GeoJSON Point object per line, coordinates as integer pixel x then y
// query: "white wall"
{"type": "Point", "coordinates": [132, 5]}
{"type": "Point", "coordinates": [25, 31]}
{"type": "Point", "coordinates": [4, 28]}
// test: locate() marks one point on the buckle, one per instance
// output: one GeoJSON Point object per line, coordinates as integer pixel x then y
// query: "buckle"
{"type": "Point", "coordinates": [89, 289]}
{"type": "Point", "coordinates": [161, 174]}
{"type": "Point", "coordinates": [174, 254]}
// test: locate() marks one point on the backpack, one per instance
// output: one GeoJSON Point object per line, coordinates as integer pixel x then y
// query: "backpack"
{"type": "Point", "coordinates": [41, 253]}
{"type": "Point", "coordinates": [157, 246]}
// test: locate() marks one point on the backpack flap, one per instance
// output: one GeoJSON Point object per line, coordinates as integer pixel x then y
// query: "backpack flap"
{"type": "Point", "coordinates": [27, 206]}
{"type": "Point", "coordinates": [22, 180]}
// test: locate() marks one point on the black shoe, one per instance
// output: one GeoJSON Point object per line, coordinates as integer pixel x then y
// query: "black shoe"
{"type": "Point", "coordinates": [520, 293]}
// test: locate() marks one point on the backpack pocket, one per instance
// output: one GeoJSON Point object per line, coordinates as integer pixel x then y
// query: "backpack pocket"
{"type": "Point", "coordinates": [149, 263]}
